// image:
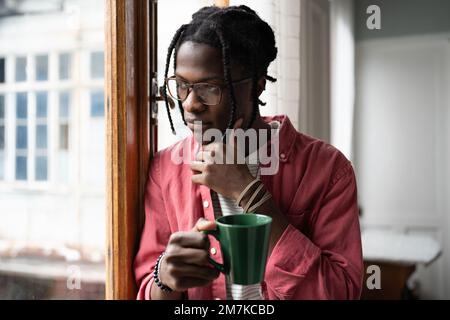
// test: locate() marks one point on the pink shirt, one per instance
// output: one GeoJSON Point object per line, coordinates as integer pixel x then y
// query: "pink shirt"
{"type": "Point", "coordinates": [319, 254]}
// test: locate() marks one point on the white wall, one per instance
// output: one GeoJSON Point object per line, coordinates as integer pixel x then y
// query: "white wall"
{"type": "Point", "coordinates": [342, 75]}
{"type": "Point", "coordinates": [402, 142]}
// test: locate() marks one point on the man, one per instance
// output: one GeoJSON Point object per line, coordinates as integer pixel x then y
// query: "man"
{"type": "Point", "coordinates": [221, 62]}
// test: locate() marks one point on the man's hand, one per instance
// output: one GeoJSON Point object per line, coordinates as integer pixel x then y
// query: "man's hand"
{"type": "Point", "coordinates": [185, 263]}
{"type": "Point", "coordinates": [214, 170]}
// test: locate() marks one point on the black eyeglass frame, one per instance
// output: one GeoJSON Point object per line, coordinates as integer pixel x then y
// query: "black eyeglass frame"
{"type": "Point", "coordinates": [191, 86]}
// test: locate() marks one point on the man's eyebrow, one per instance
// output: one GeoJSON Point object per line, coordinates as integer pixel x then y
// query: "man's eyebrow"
{"type": "Point", "coordinates": [202, 79]}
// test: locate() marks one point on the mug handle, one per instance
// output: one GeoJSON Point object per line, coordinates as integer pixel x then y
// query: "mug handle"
{"type": "Point", "coordinates": [218, 266]}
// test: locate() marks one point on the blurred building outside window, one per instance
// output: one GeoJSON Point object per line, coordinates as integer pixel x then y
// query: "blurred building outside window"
{"type": "Point", "coordinates": [52, 149]}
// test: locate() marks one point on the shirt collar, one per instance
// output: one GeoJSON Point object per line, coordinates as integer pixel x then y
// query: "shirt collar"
{"type": "Point", "coordinates": [286, 135]}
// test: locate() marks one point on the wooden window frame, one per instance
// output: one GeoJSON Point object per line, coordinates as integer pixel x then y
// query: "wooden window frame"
{"type": "Point", "coordinates": [130, 63]}
{"type": "Point", "coordinates": [131, 131]}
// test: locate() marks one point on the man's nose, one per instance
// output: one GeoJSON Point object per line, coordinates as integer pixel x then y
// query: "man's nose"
{"type": "Point", "coordinates": [192, 103]}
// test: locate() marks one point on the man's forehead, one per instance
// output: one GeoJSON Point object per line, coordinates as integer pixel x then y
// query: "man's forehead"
{"type": "Point", "coordinates": [203, 62]}
{"type": "Point", "coordinates": [199, 53]}
{"type": "Point", "coordinates": [198, 61]}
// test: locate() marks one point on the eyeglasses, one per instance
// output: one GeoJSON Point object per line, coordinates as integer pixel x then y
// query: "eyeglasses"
{"type": "Point", "coordinates": [208, 93]}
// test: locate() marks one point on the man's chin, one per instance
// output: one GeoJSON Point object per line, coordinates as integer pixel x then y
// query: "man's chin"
{"type": "Point", "coordinates": [202, 141]}
{"type": "Point", "coordinates": [200, 138]}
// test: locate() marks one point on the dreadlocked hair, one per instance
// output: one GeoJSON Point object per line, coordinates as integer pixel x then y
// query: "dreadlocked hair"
{"type": "Point", "coordinates": [241, 36]}
{"type": "Point", "coordinates": [166, 73]}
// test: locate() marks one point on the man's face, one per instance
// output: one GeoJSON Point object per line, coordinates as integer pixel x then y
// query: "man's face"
{"type": "Point", "coordinates": [203, 63]}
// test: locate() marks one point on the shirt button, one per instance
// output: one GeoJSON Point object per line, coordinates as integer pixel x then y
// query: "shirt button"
{"type": "Point", "coordinates": [283, 156]}
{"type": "Point", "coordinates": [205, 204]}
{"type": "Point", "coordinates": [213, 251]}
{"type": "Point", "coordinates": [216, 298]}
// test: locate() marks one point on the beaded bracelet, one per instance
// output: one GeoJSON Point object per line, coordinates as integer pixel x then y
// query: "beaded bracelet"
{"type": "Point", "coordinates": [158, 282]}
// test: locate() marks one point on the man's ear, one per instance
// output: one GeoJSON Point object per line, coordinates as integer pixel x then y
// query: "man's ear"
{"type": "Point", "coordinates": [261, 84]}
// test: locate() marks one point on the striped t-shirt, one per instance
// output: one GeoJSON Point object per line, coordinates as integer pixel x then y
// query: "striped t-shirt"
{"type": "Point", "coordinates": [225, 206]}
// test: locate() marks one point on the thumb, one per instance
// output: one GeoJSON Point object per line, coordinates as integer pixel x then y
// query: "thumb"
{"type": "Point", "coordinates": [204, 224]}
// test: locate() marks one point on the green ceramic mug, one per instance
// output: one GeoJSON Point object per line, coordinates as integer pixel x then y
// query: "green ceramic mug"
{"type": "Point", "coordinates": [244, 241]}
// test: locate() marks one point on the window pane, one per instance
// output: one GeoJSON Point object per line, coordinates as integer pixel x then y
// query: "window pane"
{"type": "Point", "coordinates": [42, 68]}
{"type": "Point", "coordinates": [97, 104]}
{"type": "Point", "coordinates": [2, 125]}
{"type": "Point", "coordinates": [41, 137]}
{"type": "Point", "coordinates": [2, 70]}
{"type": "Point", "coordinates": [21, 137]}
{"type": "Point", "coordinates": [2, 137]}
{"type": "Point", "coordinates": [21, 69]}
{"type": "Point", "coordinates": [64, 100]}
{"type": "Point", "coordinates": [22, 105]}
{"type": "Point", "coordinates": [21, 168]}
{"type": "Point", "coordinates": [2, 166]}
{"type": "Point", "coordinates": [97, 67]}
{"type": "Point", "coordinates": [65, 60]}
{"type": "Point", "coordinates": [64, 137]}
{"type": "Point", "coordinates": [41, 104]}
{"type": "Point", "coordinates": [41, 168]}
{"type": "Point", "coordinates": [2, 107]}
{"type": "Point", "coordinates": [52, 238]}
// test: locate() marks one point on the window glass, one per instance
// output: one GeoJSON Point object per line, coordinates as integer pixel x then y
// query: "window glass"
{"type": "Point", "coordinates": [42, 68]}
{"type": "Point", "coordinates": [41, 168]}
{"type": "Point", "coordinates": [41, 104]}
{"type": "Point", "coordinates": [2, 123]}
{"type": "Point", "coordinates": [2, 70]}
{"type": "Point", "coordinates": [64, 136]}
{"type": "Point", "coordinates": [64, 100]}
{"type": "Point", "coordinates": [21, 69]}
{"type": "Point", "coordinates": [21, 168]}
{"type": "Point", "coordinates": [2, 137]}
{"type": "Point", "coordinates": [41, 137]}
{"type": "Point", "coordinates": [53, 231]}
{"type": "Point", "coordinates": [97, 67]}
{"type": "Point", "coordinates": [64, 115]}
{"type": "Point", "coordinates": [22, 105]}
{"type": "Point", "coordinates": [22, 137]}
{"type": "Point", "coordinates": [65, 60]}
{"type": "Point", "coordinates": [97, 104]}
{"type": "Point", "coordinates": [2, 107]}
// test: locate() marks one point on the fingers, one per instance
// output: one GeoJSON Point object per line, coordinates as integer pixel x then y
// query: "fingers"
{"type": "Point", "coordinates": [198, 179]}
{"type": "Point", "coordinates": [179, 274]}
{"type": "Point", "coordinates": [198, 166]}
{"type": "Point", "coordinates": [198, 257]}
{"type": "Point", "coordinates": [184, 270]}
{"type": "Point", "coordinates": [185, 283]}
{"type": "Point", "coordinates": [203, 224]}
{"type": "Point", "coordinates": [189, 239]}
